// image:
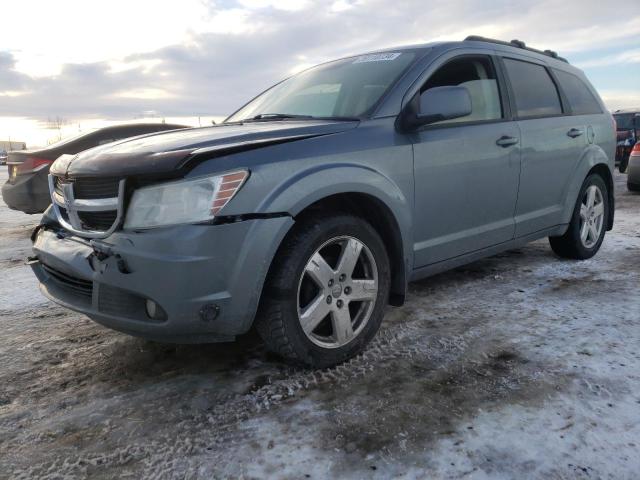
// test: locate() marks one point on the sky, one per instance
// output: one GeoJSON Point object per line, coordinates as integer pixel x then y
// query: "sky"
{"type": "Point", "coordinates": [79, 64]}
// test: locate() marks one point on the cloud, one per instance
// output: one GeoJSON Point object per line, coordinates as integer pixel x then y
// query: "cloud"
{"type": "Point", "coordinates": [233, 49]}
{"type": "Point", "coordinates": [615, 99]}
{"type": "Point", "coordinates": [629, 56]}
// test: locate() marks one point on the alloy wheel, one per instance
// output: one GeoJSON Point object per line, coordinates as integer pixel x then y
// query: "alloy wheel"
{"type": "Point", "coordinates": [337, 292]}
{"type": "Point", "coordinates": [591, 216]}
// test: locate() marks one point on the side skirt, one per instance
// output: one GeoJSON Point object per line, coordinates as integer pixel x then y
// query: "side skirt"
{"type": "Point", "coordinates": [454, 262]}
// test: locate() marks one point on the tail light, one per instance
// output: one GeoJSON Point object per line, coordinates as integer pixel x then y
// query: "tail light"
{"type": "Point", "coordinates": [28, 165]}
{"type": "Point", "coordinates": [636, 148]}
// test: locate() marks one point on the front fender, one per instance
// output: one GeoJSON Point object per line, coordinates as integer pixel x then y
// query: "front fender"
{"type": "Point", "coordinates": [315, 183]}
{"type": "Point", "coordinates": [593, 155]}
{"type": "Point", "coordinates": [312, 184]}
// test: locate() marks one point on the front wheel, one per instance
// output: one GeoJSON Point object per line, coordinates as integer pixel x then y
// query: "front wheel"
{"type": "Point", "coordinates": [588, 224]}
{"type": "Point", "coordinates": [326, 292]}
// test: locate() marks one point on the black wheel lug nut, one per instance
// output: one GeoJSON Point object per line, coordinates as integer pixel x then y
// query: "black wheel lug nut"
{"type": "Point", "coordinates": [339, 303]}
{"type": "Point", "coordinates": [342, 277]}
{"type": "Point", "coordinates": [331, 282]}
{"type": "Point", "coordinates": [329, 299]}
{"type": "Point", "coordinates": [347, 290]}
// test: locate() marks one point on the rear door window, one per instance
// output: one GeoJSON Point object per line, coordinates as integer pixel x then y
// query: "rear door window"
{"type": "Point", "coordinates": [535, 93]}
{"type": "Point", "coordinates": [580, 97]}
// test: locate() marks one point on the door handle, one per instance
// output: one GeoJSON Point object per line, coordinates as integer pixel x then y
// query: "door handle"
{"type": "Point", "coordinates": [575, 132]}
{"type": "Point", "coordinates": [506, 141]}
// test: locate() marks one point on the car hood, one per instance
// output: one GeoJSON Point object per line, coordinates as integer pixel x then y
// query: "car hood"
{"type": "Point", "coordinates": [162, 153]}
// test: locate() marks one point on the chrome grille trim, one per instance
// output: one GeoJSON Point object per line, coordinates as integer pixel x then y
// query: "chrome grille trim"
{"type": "Point", "coordinates": [72, 206]}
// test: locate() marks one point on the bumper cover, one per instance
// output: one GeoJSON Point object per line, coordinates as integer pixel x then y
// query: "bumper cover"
{"type": "Point", "coordinates": [183, 269]}
{"type": "Point", "coordinates": [633, 172]}
{"type": "Point", "coordinates": [29, 193]}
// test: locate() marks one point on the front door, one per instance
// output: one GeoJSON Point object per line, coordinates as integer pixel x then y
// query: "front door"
{"type": "Point", "coordinates": [467, 169]}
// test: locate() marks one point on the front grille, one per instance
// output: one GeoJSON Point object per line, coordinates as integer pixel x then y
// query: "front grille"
{"type": "Point", "coordinates": [82, 210]}
{"type": "Point", "coordinates": [90, 187]}
{"type": "Point", "coordinates": [58, 185]}
{"type": "Point", "coordinates": [73, 285]}
{"type": "Point", "coordinates": [98, 220]}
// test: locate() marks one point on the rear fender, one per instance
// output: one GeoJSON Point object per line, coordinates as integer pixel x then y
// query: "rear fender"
{"type": "Point", "coordinates": [592, 156]}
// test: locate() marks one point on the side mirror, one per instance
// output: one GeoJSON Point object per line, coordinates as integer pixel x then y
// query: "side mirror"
{"type": "Point", "coordinates": [435, 105]}
{"type": "Point", "coordinates": [444, 103]}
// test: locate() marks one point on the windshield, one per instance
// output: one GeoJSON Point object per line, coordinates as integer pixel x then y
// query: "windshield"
{"type": "Point", "coordinates": [624, 121]}
{"type": "Point", "coordinates": [343, 88]}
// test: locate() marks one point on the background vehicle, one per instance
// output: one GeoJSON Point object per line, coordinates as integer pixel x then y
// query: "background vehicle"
{"type": "Point", "coordinates": [633, 174]}
{"type": "Point", "coordinates": [27, 188]}
{"type": "Point", "coordinates": [3, 157]}
{"type": "Point", "coordinates": [627, 134]}
{"type": "Point", "coordinates": [313, 206]}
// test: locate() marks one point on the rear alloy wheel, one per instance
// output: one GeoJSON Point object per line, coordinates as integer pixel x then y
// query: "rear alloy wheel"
{"type": "Point", "coordinates": [588, 224]}
{"type": "Point", "coordinates": [326, 292]}
{"type": "Point", "coordinates": [591, 216]}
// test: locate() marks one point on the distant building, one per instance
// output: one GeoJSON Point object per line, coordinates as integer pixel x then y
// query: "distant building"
{"type": "Point", "coordinates": [9, 145]}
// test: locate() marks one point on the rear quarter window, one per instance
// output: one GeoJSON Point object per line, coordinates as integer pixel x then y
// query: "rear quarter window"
{"type": "Point", "coordinates": [535, 93]}
{"type": "Point", "coordinates": [580, 98]}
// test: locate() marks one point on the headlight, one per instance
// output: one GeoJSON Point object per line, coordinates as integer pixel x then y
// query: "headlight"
{"type": "Point", "coordinates": [186, 201]}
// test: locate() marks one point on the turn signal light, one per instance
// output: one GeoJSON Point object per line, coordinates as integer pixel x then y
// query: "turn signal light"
{"type": "Point", "coordinates": [229, 185]}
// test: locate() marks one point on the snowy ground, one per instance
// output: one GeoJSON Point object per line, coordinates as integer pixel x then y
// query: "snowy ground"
{"type": "Point", "coordinates": [518, 366]}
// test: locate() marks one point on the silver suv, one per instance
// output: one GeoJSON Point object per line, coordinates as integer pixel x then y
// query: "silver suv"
{"type": "Point", "coordinates": [309, 210]}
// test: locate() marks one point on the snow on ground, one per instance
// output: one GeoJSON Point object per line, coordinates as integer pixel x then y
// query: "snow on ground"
{"type": "Point", "coordinates": [518, 366]}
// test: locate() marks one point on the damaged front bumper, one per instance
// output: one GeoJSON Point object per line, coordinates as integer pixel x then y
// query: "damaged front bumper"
{"type": "Point", "coordinates": [182, 284]}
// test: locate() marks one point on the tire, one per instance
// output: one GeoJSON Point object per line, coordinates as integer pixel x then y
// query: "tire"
{"type": "Point", "coordinates": [624, 163]}
{"type": "Point", "coordinates": [293, 289]}
{"type": "Point", "coordinates": [574, 245]}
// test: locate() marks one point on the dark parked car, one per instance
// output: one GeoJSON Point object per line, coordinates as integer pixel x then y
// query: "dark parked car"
{"type": "Point", "coordinates": [627, 134]}
{"type": "Point", "coordinates": [27, 188]}
{"type": "Point", "coordinates": [633, 175]}
{"type": "Point", "coordinates": [3, 157]}
{"type": "Point", "coordinates": [311, 207]}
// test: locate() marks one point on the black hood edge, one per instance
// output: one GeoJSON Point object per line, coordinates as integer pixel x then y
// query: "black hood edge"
{"type": "Point", "coordinates": [206, 153]}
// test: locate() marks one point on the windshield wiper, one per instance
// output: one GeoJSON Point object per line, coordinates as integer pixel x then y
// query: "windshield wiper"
{"type": "Point", "coordinates": [264, 117]}
{"type": "Point", "coordinates": [277, 116]}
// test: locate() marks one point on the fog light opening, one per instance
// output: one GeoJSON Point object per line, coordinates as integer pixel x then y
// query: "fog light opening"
{"type": "Point", "coordinates": [154, 311]}
{"type": "Point", "coordinates": [209, 312]}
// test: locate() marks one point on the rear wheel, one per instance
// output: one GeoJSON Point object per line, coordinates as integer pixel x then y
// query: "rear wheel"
{"type": "Point", "coordinates": [586, 231]}
{"type": "Point", "coordinates": [326, 293]}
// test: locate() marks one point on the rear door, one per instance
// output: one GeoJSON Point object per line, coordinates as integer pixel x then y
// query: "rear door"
{"type": "Point", "coordinates": [552, 142]}
{"type": "Point", "coordinates": [467, 169]}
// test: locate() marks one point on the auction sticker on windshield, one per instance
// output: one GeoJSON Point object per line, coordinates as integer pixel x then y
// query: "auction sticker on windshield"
{"type": "Point", "coordinates": [377, 57]}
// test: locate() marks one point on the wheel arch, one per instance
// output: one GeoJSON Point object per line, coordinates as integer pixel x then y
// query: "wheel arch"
{"type": "Point", "coordinates": [593, 160]}
{"type": "Point", "coordinates": [360, 190]}
{"type": "Point", "coordinates": [380, 216]}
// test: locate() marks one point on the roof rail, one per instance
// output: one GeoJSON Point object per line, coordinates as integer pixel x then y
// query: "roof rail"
{"type": "Point", "coordinates": [517, 44]}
